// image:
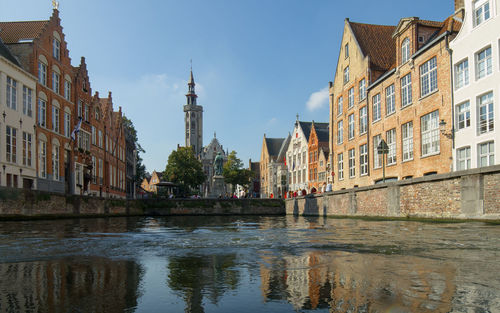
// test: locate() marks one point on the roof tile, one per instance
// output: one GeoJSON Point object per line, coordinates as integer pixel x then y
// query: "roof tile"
{"type": "Point", "coordinates": [12, 32]}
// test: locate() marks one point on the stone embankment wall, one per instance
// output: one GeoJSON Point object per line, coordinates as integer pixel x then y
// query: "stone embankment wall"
{"type": "Point", "coordinates": [471, 194]}
{"type": "Point", "coordinates": [18, 203]}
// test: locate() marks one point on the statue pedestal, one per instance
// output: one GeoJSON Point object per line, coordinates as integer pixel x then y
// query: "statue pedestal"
{"type": "Point", "coordinates": [218, 187]}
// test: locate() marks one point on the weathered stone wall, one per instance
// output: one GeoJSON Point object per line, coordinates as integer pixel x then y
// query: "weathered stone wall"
{"type": "Point", "coordinates": [18, 203]}
{"type": "Point", "coordinates": [471, 194]}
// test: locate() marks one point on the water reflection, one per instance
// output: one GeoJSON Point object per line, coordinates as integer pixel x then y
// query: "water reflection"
{"type": "Point", "coordinates": [248, 264]}
{"type": "Point", "coordinates": [69, 285]}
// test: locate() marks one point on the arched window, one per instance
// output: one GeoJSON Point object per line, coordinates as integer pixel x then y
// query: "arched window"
{"type": "Point", "coordinates": [405, 50]}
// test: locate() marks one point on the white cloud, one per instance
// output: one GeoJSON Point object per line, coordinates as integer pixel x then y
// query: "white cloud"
{"type": "Point", "coordinates": [317, 99]}
{"type": "Point", "coordinates": [272, 121]}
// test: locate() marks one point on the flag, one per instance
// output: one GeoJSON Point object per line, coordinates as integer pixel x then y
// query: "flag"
{"type": "Point", "coordinates": [76, 130]}
{"type": "Point", "coordinates": [284, 160]}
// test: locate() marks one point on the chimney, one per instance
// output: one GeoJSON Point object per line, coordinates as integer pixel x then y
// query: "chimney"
{"type": "Point", "coordinates": [459, 4]}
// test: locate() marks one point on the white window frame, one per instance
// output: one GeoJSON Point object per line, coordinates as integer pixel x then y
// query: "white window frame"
{"type": "Point", "coordinates": [27, 149]}
{"type": "Point", "coordinates": [462, 115]}
{"type": "Point", "coordinates": [428, 77]}
{"type": "Point", "coordinates": [351, 126]}
{"type": "Point", "coordinates": [10, 144]}
{"type": "Point", "coordinates": [340, 165]}
{"type": "Point", "coordinates": [340, 105]}
{"type": "Point", "coordinates": [352, 163]}
{"type": "Point", "coordinates": [56, 49]}
{"type": "Point", "coordinates": [56, 82]}
{"type": "Point", "coordinates": [362, 89]}
{"type": "Point", "coordinates": [488, 156]}
{"type": "Point", "coordinates": [463, 158]}
{"type": "Point", "coordinates": [42, 73]}
{"type": "Point", "coordinates": [42, 112]}
{"type": "Point", "coordinates": [67, 90]}
{"type": "Point", "coordinates": [67, 124]}
{"type": "Point", "coordinates": [429, 134]}
{"type": "Point", "coordinates": [390, 100]}
{"type": "Point", "coordinates": [27, 101]}
{"type": "Point", "coordinates": [363, 120]}
{"type": "Point", "coordinates": [461, 74]}
{"type": "Point", "coordinates": [346, 75]}
{"type": "Point", "coordinates": [340, 132]}
{"type": "Point", "coordinates": [407, 140]}
{"type": "Point", "coordinates": [56, 153]}
{"type": "Point", "coordinates": [377, 158]}
{"type": "Point", "coordinates": [406, 92]}
{"type": "Point", "coordinates": [42, 158]}
{"type": "Point", "coordinates": [484, 65]}
{"type": "Point", "coordinates": [376, 108]}
{"type": "Point", "coordinates": [11, 93]}
{"type": "Point", "coordinates": [485, 113]}
{"type": "Point", "coordinates": [55, 119]}
{"type": "Point", "coordinates": [350, 94]}
{"type": "Point", "coordinates": [363, 160]}
{"type": "Point", "coordinates": [405, 50]}
{"type": "Point", "coordinates": [390, 136]}
{"type": "Point", "coordinates": [482, 12]}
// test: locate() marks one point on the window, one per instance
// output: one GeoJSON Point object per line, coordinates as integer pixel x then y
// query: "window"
{"type": "Point", "coordinates": [55, 119]}
{"type": "Point", "coordinates": [406, 90]}
{"type": "Point", "coordinates": [352, 163]}
{"type": "Point", "coordinates": [407, 137]}
{"type": "Point", "coordinates": [363, 159]}
{"type": "Point", "coordinates": [42, 113]}
{"type": "Point", "coordinates": [42, 73]}
{"type": "Point", "coordinates": [340, 132]}
{"type": "Point", "coordinates": [390, 100]}
{"type": "Point", "coordinates": [363, 119]}
{"type": "Point", "coordinates": [94, 170]}
{"type": "Point", "coordinates": [351, 126]}
{"type": "Point", "coordinates": [26, 149]}
{"type": "Point", "coordinates": [351, 97]}
{"type": "Point", "coordinates": [67, 121]}
{"type": "Point", "coordinates": [55, 162]}
{"type": "Point", "coordinates": [56, 49]}
{"type": "Point", "coordinates": [376, 107]}
{"type": "Point", "coordinates": [428, 77]}
{"type": "Point", "coordinates": [390, 135]}
{"type": "Point", "coordinates": [486, 154]}
{"type": "Point", "coordinates": [340, 164]}
{"type": "Point", "coordinates": [483, 63]}
{"type": "Point", "coordinates": [362, 89]}
{"type": "Point", "coordinates": [346, 50]}
{"type": "Point", "coordinates": [80, 108]}
{"type": "Point", "coordinates": [11, 144]}
{"type": "Point", "coordinates": [340, 104]}
{"type": "Point", "coordinates": [100, 138]}
{"type": "Point", "coordinates": [97, 114]}
{"type": "Point", "coordinates": [42, 165]}
{"type": "Point", "coordinates": [346, 74]}
{"type": "Point", "coordinates": [11, 93]}
{"type": "Point", "coordinates": [27, 101]}
{"type": "Point", "coordinates": [93, 135]}
{"type": "Point", "coordinates": [463, 159]}
{"type": "Point", "coordinates": [485, 115]}
{"type": "Point", "coordinates": [463, 115]}
{"type": "Point", "coordinates": [56, 80]}
{"type": "Point", "coordinates": [429, 125]}
{"type": "Point", "coordinates": [377, 158]}
{"type": "Point", "coordinates": [83, 140]}
{"type": "Point", "coordinates": [405, 50]}
{"type": "Point", "coordinates": [100, 172]}
{"type": "Point", "coordinates": [462, 74]}
{"type": "Point", "coordinates": [86, 113]}
{"type": "Point", "coordinates": [481, 11]}
{"type": "Point", "coordinates": [67, 90]}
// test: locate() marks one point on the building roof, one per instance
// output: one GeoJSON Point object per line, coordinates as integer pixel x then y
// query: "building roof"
{"type": "Point", "coordinates": [376, 42]}
{"type": "Point", "coordinates": [274, 146]}
{"type": "Point", "coordinates": [13, 32]}
{"type": "Point", "coordinates": [284, 148]}
{"type": "Point", "coordinates": [307, 126]}
{"type": "Point", "coordinates": [5, 52]}
{"type": "Point", "coordinates": [322, 131]}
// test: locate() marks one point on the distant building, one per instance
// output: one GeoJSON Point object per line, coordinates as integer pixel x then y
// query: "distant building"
{"type": "Point", "coordinates": [193, 120]}
{"type": "Point", "coordinates": [254, 188]}
{"type": "Point", "coordinates": [273, 173]}
{"type": "Point", "coordinates": [207, 158]}
{"type": "Point", "coordinates": [317, 146]}
{"type": "Point", "coordinates": [476, 86]}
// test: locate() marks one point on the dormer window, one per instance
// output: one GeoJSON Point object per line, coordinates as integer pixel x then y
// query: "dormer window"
{"type": "Point", "coordinates": [481, 11]}
{"type": "Point", "coordinates": [405, 51]}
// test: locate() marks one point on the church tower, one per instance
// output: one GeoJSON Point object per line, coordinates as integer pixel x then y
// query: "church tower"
{"type": "Point", "coordinates": [193, 117]}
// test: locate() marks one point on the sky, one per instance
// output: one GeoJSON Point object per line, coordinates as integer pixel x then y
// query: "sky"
{"type": "Point", "coordinates": [256, 63]}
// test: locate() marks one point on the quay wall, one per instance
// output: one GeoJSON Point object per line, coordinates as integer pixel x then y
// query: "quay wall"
{"type": "Point", "coordinates": [470, 194]}
{"type": "Point", "coordinates": [28, 204]}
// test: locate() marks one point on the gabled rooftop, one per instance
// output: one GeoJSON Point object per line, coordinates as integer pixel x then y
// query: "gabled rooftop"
{"type": "Point", "coordinates": [15, 32]}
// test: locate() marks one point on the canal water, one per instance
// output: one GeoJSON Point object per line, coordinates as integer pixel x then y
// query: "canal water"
{"type": "Point", "coordinates": [248, 264]}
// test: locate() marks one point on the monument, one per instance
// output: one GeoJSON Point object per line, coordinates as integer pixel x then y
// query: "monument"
{"type": "Point", "coordinates": [218, 186]}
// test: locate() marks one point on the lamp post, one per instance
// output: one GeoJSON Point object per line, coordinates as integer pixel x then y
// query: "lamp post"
{"type": "Point", "coordinates": [383, 149]}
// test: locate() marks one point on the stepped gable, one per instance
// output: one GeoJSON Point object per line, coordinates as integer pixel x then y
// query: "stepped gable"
{"type": "Point", "coordinates": [376, 42]}
{"type": "Point", "coordinates": [13, 32]}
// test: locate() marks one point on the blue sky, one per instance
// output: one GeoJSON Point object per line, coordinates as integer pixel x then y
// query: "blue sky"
{"type": "Point", "coordinates": [257, 63]}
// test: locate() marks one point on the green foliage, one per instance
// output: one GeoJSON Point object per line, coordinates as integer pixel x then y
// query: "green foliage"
{"type": "Point", "coordinates": [184, 169]}
{"type": "Point", "coordinates": [140, 168]}
{"type": "Point", "coordinates": [234, 173]}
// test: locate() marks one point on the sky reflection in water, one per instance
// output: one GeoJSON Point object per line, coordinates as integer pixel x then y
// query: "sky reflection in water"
{"type": "Point", "coordinates": [248, 264]}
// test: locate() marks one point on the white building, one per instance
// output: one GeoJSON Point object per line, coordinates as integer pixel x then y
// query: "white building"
{"type": "Point", "coordinates": [476, 79]}
{"type": "Point", "coordinates": [17, 123]}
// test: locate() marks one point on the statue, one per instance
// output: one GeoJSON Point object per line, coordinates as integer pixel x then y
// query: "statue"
{"type": "Point", "coordinates": [218, 162]}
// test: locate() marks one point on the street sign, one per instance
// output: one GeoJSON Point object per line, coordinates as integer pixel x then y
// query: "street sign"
{"type": "Point", "coordinates": [382, 148]}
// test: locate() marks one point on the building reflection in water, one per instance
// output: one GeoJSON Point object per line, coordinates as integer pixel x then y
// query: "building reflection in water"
{"type": "Point", "coordinates": [197, 276]}
{"type": "Point", "coordinates": [69, 285]}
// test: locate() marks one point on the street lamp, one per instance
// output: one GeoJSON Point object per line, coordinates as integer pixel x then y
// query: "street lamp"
{"type": "Point", "coordinates": [383, 149]}
{"type": "Point", "coordinates": [442, 130]}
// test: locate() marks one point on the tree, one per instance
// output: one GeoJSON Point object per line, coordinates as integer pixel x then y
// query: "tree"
{"type": "Point", "coordinates": [184, 169]}
{"type": "Point", "coordinates": [234, 173]}
{"type": "Point", "coordinates": [140, 168]}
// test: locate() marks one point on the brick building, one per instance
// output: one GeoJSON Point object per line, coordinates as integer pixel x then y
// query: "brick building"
{"type": "Point", "coordinates": [272, 166]}
{"type": "Point", "coordinates": [318, 143]}
{"type": "Point", "coordinates": [392, 83]}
